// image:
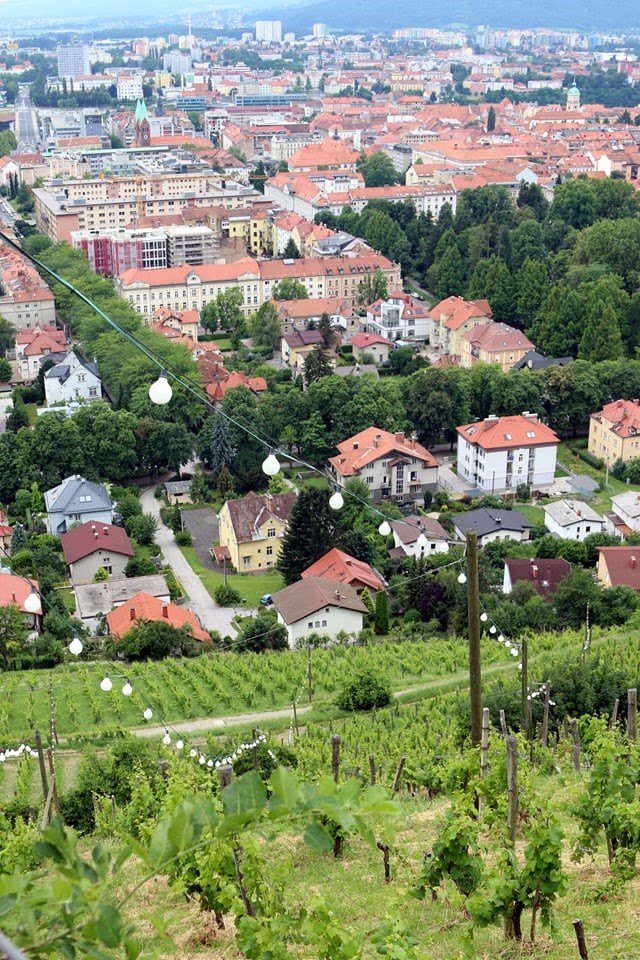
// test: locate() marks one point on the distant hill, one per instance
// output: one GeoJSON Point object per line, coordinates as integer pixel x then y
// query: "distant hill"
{"type": "Point", "coordinates": [584, 15]}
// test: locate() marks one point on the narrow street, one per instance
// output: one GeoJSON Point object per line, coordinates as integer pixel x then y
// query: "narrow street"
{"type": "Point", "coordinates": [211, 616]}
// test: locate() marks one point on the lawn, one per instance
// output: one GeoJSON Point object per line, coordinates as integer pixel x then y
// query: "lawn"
{"type": "Point", "coordinates": [250, 586]}
{"type": "Point", "coordinates": [601, 502]}
{"type": "Point", "coordinates": [534, 515]}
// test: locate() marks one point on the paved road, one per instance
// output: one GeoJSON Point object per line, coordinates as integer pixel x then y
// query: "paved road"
{"type": "Point", "coordinates": [26, 120]}
{"type": "Point", "coordinates": [203, 525]}
{"type": "Point", "coordinates": [211, 616]}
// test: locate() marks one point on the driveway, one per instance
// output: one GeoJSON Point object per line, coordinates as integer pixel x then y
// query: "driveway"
{"type": "Point", "coordinates": [203, 526]}
{"type": "Point", "coordinates": [210, 615]}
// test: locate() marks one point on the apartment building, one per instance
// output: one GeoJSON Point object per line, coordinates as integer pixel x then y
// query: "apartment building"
{"type": "Point", "coordinates": [494, 343]}
{"type": "Point", "coordinates": [614, 432]}
{"type": "Point", "coordinates": [391, 464]}
{"type": "Point", "coordinates": [25, 299]}
{"type": "Point", "coordinates": [498, 453]}
{"type": "Point", "coordinates": [191, 288]}
{"type": "Point", "coordinates": [114, 251]}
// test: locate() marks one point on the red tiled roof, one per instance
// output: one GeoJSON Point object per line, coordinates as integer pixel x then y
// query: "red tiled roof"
{"type": "Point", "coordinates": [339, 566]}
{"type": "Point", "coordinates": [363, 340]}
{"type": "Point", "coordinates": [501, 433]}
{"type": "Point", "coordinates": [145, 608]}
{"type": "Point", "coordinates": [623, 565]}
{"type": "Point", "coordinates": [15, 590]}
{"type": "Point", "coordinates": [84, 540]}
{"type": "Point", "coordinates": [254, 511]}
{"type": "Point", "coordinates": [373, 444]}
{"type": "Point", "coordinates": [544, 574]}
{"type": "Point", "coordinates": [623, 417]}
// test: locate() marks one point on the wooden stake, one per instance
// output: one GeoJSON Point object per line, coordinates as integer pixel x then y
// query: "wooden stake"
{"type": "Point", "coordinates": [335, 756]}
{"type": "Point", "coordinates": [632, 714]}
{"type": "Point", "coordinates": [473, 613]}
{"type": "Point", "coordinates": [54, 788]}
{"type": "Point", "coordinates": [43, 769]}
{"type": "Point", "coordinates": [512, 788]}
{"type": "Point", "coordinates": [582, 943]}
{"type": "Point", "coordinates": [614, 713]}
{"type": "Point", "coordinates": [372, 770]}
{"type": "Point", "coordinates": [398, 776]}
{"type": "Point", "coordinates": [254, 749]}
{"type": "Point", "coordinates": [577, 745]}
{"type": "Point", "coordinates": [525, 703]}
{"type": "Point", "coordinates": [544, 729]}
{"type": "Point", "coordinates": [503, 723]}
{"type": "Point", "coordinates": [295, 719]}
{"type": "Point", "coordinates": [225, 775]}
{"type": "Point", "coordinates": [384, 847]}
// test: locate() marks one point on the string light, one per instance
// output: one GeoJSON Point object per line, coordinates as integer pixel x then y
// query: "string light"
{"type": "Point", "coordinates": [76, 647]}
{"type": "Point", "coordinates": [166, 739]}
{"type": "Point", "coordinates": [493, 628]}
{"type": "Point", "coordinates": [484, 616]}
{"type": "Point", "coordinates": [148, 713]}
{"type": "Point", "coordinates": [106, 684]}
{"type": "Point", "coordinates": [127, 690]}
{"type": "Point", "coordinates": [32, 601]}
{"type": "Point", "coordinates": [336, 501]}
{"type": "Point", "coordinates": [384, 529]}
{"type": "Point", "coordinates": [271, 465]}
{"type": "Point", "coordinates": [179, 744]}
{"type": "Point", "coordinates": [160, 391]}
{"type": "Point", "coordinates": [16, 752]}
{"type": "Point", "coordinates": [462, 577]}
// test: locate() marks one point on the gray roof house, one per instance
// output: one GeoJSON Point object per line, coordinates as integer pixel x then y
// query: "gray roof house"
{"type": "Point", "coordinates": [76, 500]}
{"type": "Point", "coordinates": [491, 524]}
{"type": "Point", "coordinates": [72, 379]}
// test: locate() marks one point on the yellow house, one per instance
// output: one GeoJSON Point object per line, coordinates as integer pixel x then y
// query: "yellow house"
{"type": "Point", "coordinates": [261, 234]}
{"type": "Point", "coordinates": [252, 529]}
{"type": "Point", "coordinates": [493, 343]}
{"type": "Point", "coordinates": [614, 432]}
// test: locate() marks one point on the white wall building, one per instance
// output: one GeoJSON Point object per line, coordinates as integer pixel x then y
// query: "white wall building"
{"type": "Point", "coordinates": [269, 31]}
{"type": "Point", "coordinates": [129, 87]}
{"type": "Point", "coordinates": [572, 519]}
{"type": "Point", "coordinates": [626, 506]}
{"type": "Point", "coordinates": [499, 453]}
{"type": "Point", "coordinates": [74, 60]}
{"type": "Point", "coordinates": [321, 606]}
{"type": "Point", "coordinates": [72, 379]}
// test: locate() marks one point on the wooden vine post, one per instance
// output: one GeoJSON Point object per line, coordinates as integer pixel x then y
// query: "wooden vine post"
{"type": "Point", "coordinates": [582, 943]}
{"type": "Point", "coordinates": [544, 729]}
{"type": "Point", "coordinates": [577, 744]}
{"type": "Point", "coordinates": [398, 776]}
{"type": "Point", "coordinates": [372, 770]}
{"type": "Point", "coordinates": [632, 714]}
{"type": "Point", "coordinates": [525, 702]}
{"type": "Point", "coordinates": [512, 789]}
{"type": "Point", "coordinates": [484, 751]}
{"type": "Point", "coordinates": [335, 756]}
{"type": "Point", "coordinates": [473, 614]}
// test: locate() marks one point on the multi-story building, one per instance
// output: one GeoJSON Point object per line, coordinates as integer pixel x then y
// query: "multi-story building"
{"type": "Point", "coordinates": [269, 31]}
{"type": "Point", "coordinates": [25, 299]}
{"type": "Point", "coordinates": [114, 251]}
{"type": "Point", "coordinates": [129, 86]}
{"type": "Point", "coordinates": [452, 318]}
{"type": "Point", "coordinates": [191, 288]}
{"type": "Point", "coordinates": [74, 60]}
{"type": "Point", "coordinates": [391, 464]}
{"type": "Point", "coordinates": [572, 519]}
{"type": "Point", "coordinates": [614, 432]}
{"type": "Point", "coordinates": [494, 343]}
{"type": "Point", "coordinates": [252, 529]}
{"type": "Point", "coordinates": [498, 453]}
{"type": "Point", "coordinates": [399, 317]}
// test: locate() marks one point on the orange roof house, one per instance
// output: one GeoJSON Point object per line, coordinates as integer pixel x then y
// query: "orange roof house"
{"type": "Point", "coordinates": [343, 568]}
{"type": "Point", "coordinates": [614, 432]}
{"type": "Point", "coordinates": [15, 590]}
{"type": "Point", "coordinates": [619, 567]}
{"type": "Point", "coordinates": [499, 453]}
{"type": "Point", "coordinates": [391, 464]}
{"type": "Point", "coordinates": [454, 317]}
{"type": "Point", "coordinates": [494, 343]}
{"type": "Point", "coordinates": [143, 608]}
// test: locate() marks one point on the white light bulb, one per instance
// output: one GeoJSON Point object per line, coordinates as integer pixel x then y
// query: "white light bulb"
{"type": "Point", "coordinates": [166, 739]}
{"type": "Point", "coordinates": [179, 744]}
{"type": "Point", "coordinates": [336, 501]}
{"type": "Point", "coordinates": [384, 529]}
{"type": "Point", "coordinates": [32, 602]}
{"type": "Point", "coordinates": [75, 647]}
{"type": "Point", "coordinates": [106, 684]}
{"type": "Point", "coordinates": [127, 690]}
{"type": "Point", "coordinates": [462, 578]}
{"type": "Point", "coordinates": [148, 713]}
{"type": "Point", "coordinates": [192, 752]}
{"type": "Point", "coordinates": [493, 628]}
{"type": "Point", "coordinates": [484, 617]}
{"type": "Point", "coordinates": [519, 666]}
{"type": "Point", "coordinates": [202, 760]}
{"type": "Point", "coordinates": [514, 652]}
{"type": "Point", "coordinates": [160, 391]}
{"type": "Point", "coordinates": [209, 763]}
{"type": "Point", "coordinates": [501, 638]}
{"type": "Point", "coordinates": [271, 465]}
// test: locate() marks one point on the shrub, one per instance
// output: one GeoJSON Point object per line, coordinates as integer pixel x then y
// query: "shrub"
{"type": "Point", "coordinates": [587, 457]}
{"type": "Point", "coordinates": [523, 492]}
{"type": "Point", "coordinates": [184, 538]}
{"type": "Point", "coordinates": [364, 692]}
{"type": "Point", "coordinates": [227, 596]}
{"type": "Point", "coordinates": [142, 528]}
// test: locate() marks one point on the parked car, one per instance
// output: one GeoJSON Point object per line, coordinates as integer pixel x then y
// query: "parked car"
{"type": "Point", "coordinates": [266, 600]}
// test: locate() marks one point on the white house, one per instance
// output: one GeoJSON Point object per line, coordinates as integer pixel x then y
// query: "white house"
{"type": "Point", "coordinates": [572, 519]}
{"type": "Point", "coordinates": [76, 500]}
{"type": "Point", "coordinates": [94, 546]}
{"type": "Point", "coordinates": [399, 317]}
{"type": "Point", "coordinates": [417, 536]}
{"type": "Point", "coordinates": [491, 525]}
{"type": "Point", "coordinates": [626, 508]}
{"type": "Point", "coordinates": [72, 379]}
{"type": "Point", "coordinates": [317, 605]}
{"type": "Point", "coordinates": [499, 453]}
{"type": "Point", "coordinates": [391, 464]}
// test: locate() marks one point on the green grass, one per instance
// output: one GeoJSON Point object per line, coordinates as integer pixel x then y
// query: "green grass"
{"type": "Point", "coordinates": [224, 344]}
{"type": "Point", "coordinates": [250, 586]}
{"type": "Point", "coordinates": [601, 501]}
{"type": "Point", "coordinates": [534, 515]}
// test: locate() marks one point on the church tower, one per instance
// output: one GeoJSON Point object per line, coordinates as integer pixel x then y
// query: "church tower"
{"type": "Point", "coordinates": [141, 125]}
{"type": "Point", "coordinates": [573, 98]}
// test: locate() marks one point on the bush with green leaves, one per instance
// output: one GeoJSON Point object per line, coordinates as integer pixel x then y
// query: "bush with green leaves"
{"type": "Point", "coordinates": [227, 596]}
{"type": "Point", "coordinates": [364, 691]}
{"type": "Point", "coordinates": [184, 538]}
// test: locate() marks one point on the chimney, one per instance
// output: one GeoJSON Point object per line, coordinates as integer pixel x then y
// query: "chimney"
{"type": "Point", "coordinates": [356, 445]}
{"type": "Point", "coordinates": [399, 437]}
{"type": "Point", "coordinates": [534, 571]}
{"type": "Point", "coordinates": [633, 563]}
{"type": "Point", "coordinates": [132, 613]}
{"type": "Point", "coordinates": [13, 599]}
{"type": "Point", "coordinates": [165, 610]}
{"type": "Point", "coordinates": [105, 530]}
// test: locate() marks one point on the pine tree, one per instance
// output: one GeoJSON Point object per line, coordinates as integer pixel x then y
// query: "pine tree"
{"type": "Point", "coordinates": [317, 364]}
{"type": "Point", "coordinates": [222, 450]}
{"type": "Point", "coordinates": [601, 339]}
{"type": "Point", "coordinates": [312, 532]}
{"type": "Point", "coordinates": [381, 616]}
{"type": "Point", "coordinates": [491, 120]}
{"type": "Point", "coordinates": [18, 539]}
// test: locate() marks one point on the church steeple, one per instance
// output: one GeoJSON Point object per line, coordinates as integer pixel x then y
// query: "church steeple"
{"type": "Point", "coordinates": [141, 125]}
{"type": "Point", "coordinates": [573, 97]}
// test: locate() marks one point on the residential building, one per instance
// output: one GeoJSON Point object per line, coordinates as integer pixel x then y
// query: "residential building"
{"type": "Point", "coordinates": [619, 567]}
{"type": "Point", "coordinates": [371, 345]}
{"type": "Point", "coordinates": [494, 343]}
{"type": "Point", "coordinates": [452, 318]}
{"type": "Point", "coordinates": [93, 546]}
{"type": "Point", "coordinates": [626, 509]}
{"type": "Point", "coordinates": [178, 491]}
{"type": "Point", "coordinates": [190, 288]}
{"type": "Point", "coordinates": [70, 380]}
{"type": "Point", "coordinates": [340, 567]}
{"type": "Point", "coordinates": [295, 348]}
{"type": "Point", "coordinates": [614, 432]}
{"type": "Point", "coordinates": [544, 574]}
{"type": "Point", "coordinates": [182, 323]}
{"type": "Point", "coordinates": [111, 252]}
{"type": "Point", "coordinates": [14, 591]}
{"type": "Point", "coordinates": [269, 31]}
{"type": "Point", "coordinates": [572, 519]}
{"type": "Point", "coordinates": [129, 86]}
{"type": "Point", "coordinates": [399, 317]}
{"type": "Point", "coordinates": [533, 360]}
{"type": "Point", "coordinates": [491, 524]}
{"type": "Point", "coordinates": [95, 600]}
{"type": "Point", "coordinates": [74, 60]}
{"type": "Point", "coordinates": [391, 464]}
{"type": "Point", "coordinates": [498, 453]}
{"type": "Point", "coordinates": [418, 536]}
{"type": "Point", "coordinates": [36, 344]}
{"type": "Point", "coordinates": [25, 299]}
{"type": "Point", "coordinates": [252, 528]}
{"type": "Point", "coordinates": [297, 314]}
{"type": "Point", "coordinates": [221, 380]}
{"type": "Point", "coordinates": [143, 608]}
{"type": "Point", "coordinates": [76, 500]}
{"type": "Point", "coordinates": [318, 606]}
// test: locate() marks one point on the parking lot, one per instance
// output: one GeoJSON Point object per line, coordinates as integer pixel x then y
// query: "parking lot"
{"type": "Point", "coordinates": [203, 526]}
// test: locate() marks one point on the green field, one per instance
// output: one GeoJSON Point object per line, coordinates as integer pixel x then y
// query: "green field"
{"type": "Point", "coordinates": [250, 586]}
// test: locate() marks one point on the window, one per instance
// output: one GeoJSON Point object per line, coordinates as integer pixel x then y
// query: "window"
{"type": "Point", "coordinates": [324, 623]}
{"type": "Point", "coordinates": [246, 561]}
{"type": "Point", "coordinates": [93, 391]}
{"type": "Point", "coordinates": [271, 532]}
{"type": "Point", "coordinates": [81, 376]}
{"type": "Point", "coordinates": [369, 481]}
{"type": "Point", "coordinates": [269, 551]}
{"type": "Point", "coordinates": [310, 625]}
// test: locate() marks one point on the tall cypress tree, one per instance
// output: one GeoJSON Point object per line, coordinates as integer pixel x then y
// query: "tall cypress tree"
{"type": "Point", "coordinates": [312, 531]}
{"type": "Point", "coordinates": [221, 449]}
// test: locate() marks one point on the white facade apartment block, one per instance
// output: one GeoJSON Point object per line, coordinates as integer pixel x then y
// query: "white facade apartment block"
{"type": "Point", "coordinates": [129, 87]}
{"type": "Point", "coordinates": [497, 470]}
{"type": "Point", "coordinates": [269, 31]}
{"type": "Point", "coordinates": [74, 60]}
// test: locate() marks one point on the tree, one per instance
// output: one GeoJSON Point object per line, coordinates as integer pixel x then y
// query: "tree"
{"type": "Point", "coordinates": [142, 528]}
{"type": "Point", "coordinates": [13, 633]}
{"type": "Point", "coordinates": [532, 289]}
{"type": "Point", "coordinates": [8, 142]}
{"type": "Point", "coordinates": [166, 446]}
{"type": "Point", "coordinates": [491, 120]}
{"type": "Point", "coordinates": [312, 532]}
{"type": "Point", "coordinates": [291, 251]}
{"type": "Point", "coordinates": [601, 339]}
{"type": "Point", "coordinates": [450, 274]}
{"type": "Point", "coordinates": [378, 170]}
{"type": "Point", "coordinates": [317, 364]}
{"type": "Point", "coordinates": [314, 438]}
{"type": "Point", "coordinates": [155, 640]}
{"type": "Point", "coordinates": [224, 312]}
{"type": "Point", "coordinates": [18, 539]}
{"type": "Point", "coordinates": [373, 287]}
{"type": "Point", "coordinates": [262, 633]}
{"type": "Point", "coordinates": [264, 327]}
{"type": "Point", "coordinates": [18, 417]}
{"type": "Point", "coordinates": [7, 337]}
{"type": "Point", "coordinates": [381, 616]}
{"type": "Point", "coordinates": [214, 446]}
{"type": "Point", "coordinates": [289, 289]}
